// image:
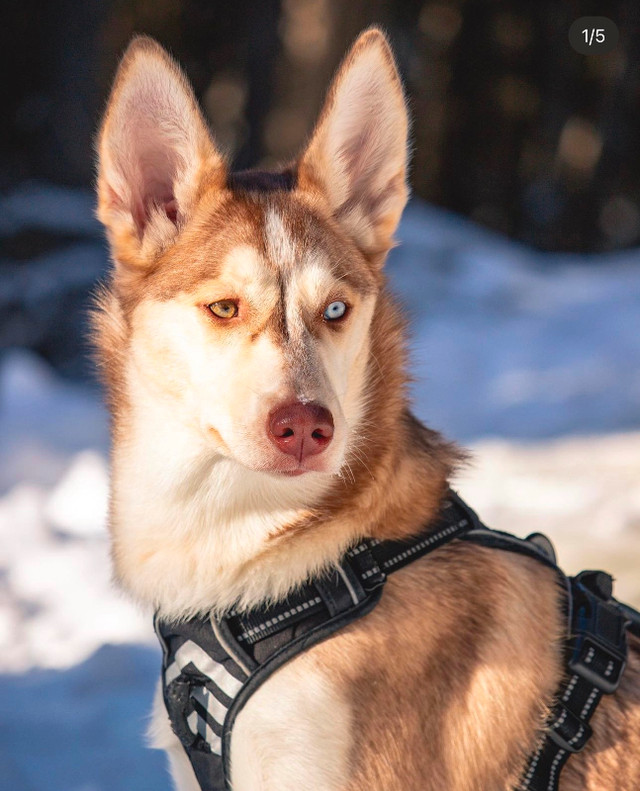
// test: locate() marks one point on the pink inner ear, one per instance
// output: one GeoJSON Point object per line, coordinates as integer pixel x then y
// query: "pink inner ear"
{"type": "Point", "coordinates": [152, 144]}
{"type": "Point", "coordinates": [155, 188]}
{"type": "Point", "coordinates": [142, 210]}
{"type": "Point", "coordinates": [171, 210]}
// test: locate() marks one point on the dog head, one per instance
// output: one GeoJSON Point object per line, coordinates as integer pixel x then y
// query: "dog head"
{"type": "Point", "coordinates": [241, 304]}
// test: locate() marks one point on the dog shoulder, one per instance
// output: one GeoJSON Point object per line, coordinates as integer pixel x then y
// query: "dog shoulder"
{"type": "Point", "coordinates": [461, 642]}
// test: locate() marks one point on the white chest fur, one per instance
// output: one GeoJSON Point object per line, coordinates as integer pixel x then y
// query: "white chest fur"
{"type": "Point", "coordinates": [293, 733]}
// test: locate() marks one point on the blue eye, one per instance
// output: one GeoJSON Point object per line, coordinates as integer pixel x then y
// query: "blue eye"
{"type": "Point", "coordinates": [335, 310]}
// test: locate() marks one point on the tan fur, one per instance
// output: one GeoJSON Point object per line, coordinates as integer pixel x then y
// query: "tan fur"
{"type": "Point", "coordinates": [463, 669]}
{"type": "Point", "coordinates": [445, 685]}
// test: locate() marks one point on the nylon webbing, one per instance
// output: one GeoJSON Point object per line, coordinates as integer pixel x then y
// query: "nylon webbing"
{"type": "Point", "coordinates": [596, 658]}
{"type": "Point", "coordinates": [367, 563]}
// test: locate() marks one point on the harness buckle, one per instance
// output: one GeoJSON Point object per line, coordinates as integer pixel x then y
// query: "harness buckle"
{"type": "Point", "coordinates": [366, 567]}
{"type": "Point", "coordinates": [599, 647]}
{"type": "Point", "coordinates": [568, 731]}
{"type": "Point", "coordinates": [596, 663]}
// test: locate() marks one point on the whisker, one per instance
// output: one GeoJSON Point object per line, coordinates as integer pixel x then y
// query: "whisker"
{"type": "Point", "coordinates": [359, 456]}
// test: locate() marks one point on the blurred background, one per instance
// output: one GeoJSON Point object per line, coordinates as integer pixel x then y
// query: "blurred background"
{"type": "Point", "coordinates": [519, 263]}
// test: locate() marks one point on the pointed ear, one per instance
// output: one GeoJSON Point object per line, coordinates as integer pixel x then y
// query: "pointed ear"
{"type": "Point", "coordinates": [155, 155]}
{"type": "Point", "coordinates": [357, 156]}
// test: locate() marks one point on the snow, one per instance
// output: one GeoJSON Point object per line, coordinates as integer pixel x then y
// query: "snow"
{"type": "Point", "coordinates": [550, 342]}
{"type": "Point", "coordinates": [77, 505]}
{"type": "Point", "coordinates": [529, 358]}
{"type": "Point", "coordinates": [580, 491]}
{"type": "Point", "coordinates": [80, 729]}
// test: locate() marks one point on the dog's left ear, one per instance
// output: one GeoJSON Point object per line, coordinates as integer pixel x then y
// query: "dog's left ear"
{"type": "Point", "coordinates": [357, 156]}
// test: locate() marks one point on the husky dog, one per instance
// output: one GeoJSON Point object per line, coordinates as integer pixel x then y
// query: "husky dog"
{"type": "Point", "coordinates": [255, 369]}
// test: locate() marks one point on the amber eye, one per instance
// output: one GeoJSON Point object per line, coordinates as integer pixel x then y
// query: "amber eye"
{"type": "Point", "coordinates": [225, 309]}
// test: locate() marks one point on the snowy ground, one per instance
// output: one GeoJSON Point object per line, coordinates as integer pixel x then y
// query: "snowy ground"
{"type": "Point", "coordinates": [530, 359]}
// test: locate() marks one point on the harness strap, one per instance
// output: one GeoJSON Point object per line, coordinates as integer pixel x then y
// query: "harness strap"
{"type": "Point", "coordinates": [212, 667]}
{"type": "Point", "coordinates": [363, 570]}
{"type": "Point", "coordinates": [346, 593]}
{"type": "Point", "coordinates": [596, 652]}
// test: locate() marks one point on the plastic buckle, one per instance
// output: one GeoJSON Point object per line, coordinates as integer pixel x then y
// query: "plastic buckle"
{"type": "Point", "coordinates": [366, 567]}
{"type": "Point", "coordinates": [596, 663]}
{"type": "Point", "coordinates": [597, 582]}
{"type": "Point", "coordinates": [568, 731]}
{"type": "Point", "coordinates": [599, 648]}
{"type": "Point", "coordinates": [177, 697]}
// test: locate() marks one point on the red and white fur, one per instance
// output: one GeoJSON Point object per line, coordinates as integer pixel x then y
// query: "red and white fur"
{"type": "Point", "coordinates": [255, 437]}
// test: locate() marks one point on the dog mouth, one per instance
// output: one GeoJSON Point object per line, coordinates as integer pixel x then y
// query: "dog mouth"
{"type": "Point", "coordinates": [297, 471]}
{"type": "Point", "coordinates": [300, 469]}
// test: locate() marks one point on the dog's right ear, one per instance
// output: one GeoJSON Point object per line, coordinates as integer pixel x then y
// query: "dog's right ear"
{"type": "Point", "coordinates": [155, 156]}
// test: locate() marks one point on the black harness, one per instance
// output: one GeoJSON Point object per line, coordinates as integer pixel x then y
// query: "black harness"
{"type": "Point", "coordinates": [212, 667]}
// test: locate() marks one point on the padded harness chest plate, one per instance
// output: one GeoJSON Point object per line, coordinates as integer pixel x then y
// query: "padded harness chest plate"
{"type": "Point", "coordinates": [212, 667]}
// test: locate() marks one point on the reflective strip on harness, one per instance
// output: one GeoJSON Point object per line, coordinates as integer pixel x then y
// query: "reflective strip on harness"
{"type": "Point", "coordinates": [190, 653]}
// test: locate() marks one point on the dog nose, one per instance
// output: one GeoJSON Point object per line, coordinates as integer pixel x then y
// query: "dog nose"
{"type": "Point", "coordinates": [300, 430]}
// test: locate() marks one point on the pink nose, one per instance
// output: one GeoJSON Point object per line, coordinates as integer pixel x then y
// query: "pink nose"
{"type": "Point", "coordinates": [301, 430]}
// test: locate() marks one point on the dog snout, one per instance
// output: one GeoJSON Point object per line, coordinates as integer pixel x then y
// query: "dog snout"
{"type": "Point", "coordinates": [301, 430]}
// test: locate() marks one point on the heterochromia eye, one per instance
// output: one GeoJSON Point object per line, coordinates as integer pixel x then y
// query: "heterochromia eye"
{"type": "Point", "coordinates": [225, 309]}
{"type": "Point", "coordinates": [335, 310]}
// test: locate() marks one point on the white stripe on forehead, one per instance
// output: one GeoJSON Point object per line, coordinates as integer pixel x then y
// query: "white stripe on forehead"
{"type": "Point", "coordinates": [308, 279]}
{"type": "Point", "coordinates": [282, 249]}
{"type": "Point", "coordinates": [307, 291]}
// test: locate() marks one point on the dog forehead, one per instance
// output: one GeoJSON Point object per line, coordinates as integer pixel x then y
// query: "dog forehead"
{"type": "Point", "coordinates": [264, 240]}
{"type": "Point", "coordinates": [297, 253]}
{"type": "Point", "coordinates": [310, 252]}
{"type": "Point", "coordinates": [244, 264]}
{"type": "Point", "coordinates": [247, 270]}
